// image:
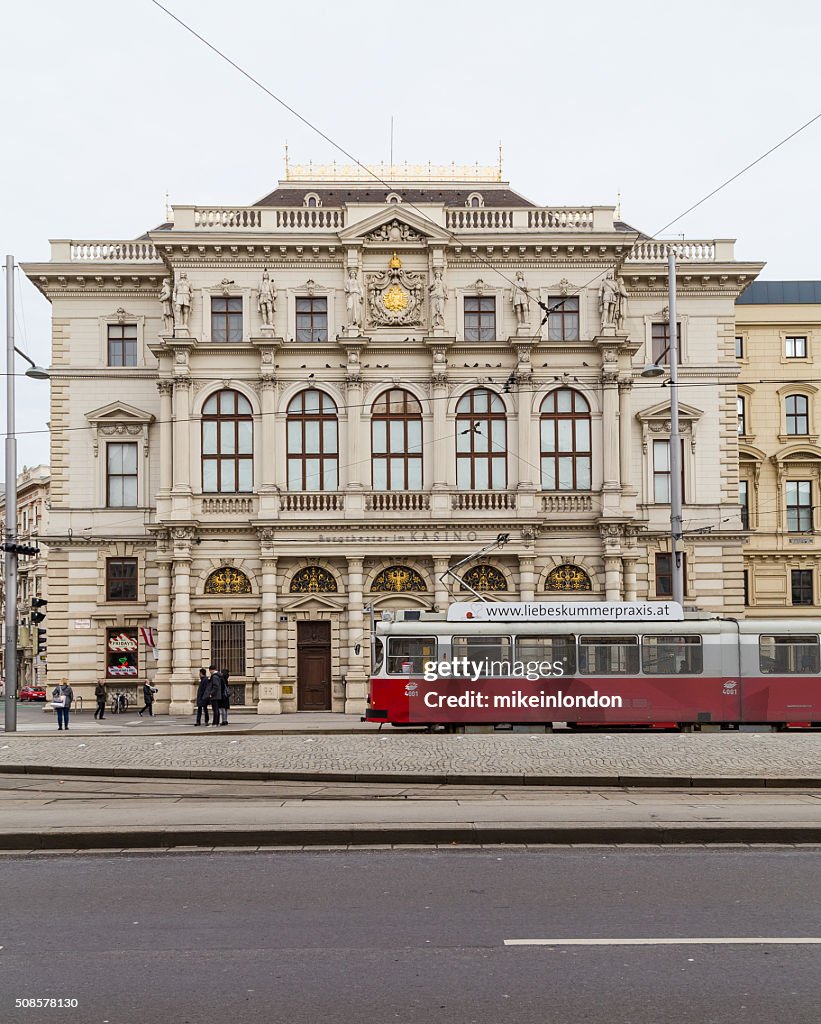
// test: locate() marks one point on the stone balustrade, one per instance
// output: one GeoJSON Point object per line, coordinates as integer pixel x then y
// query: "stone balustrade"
{"type": "Point", "coordinates": [483, 501]}
{"type": "Point", "coordinates": [704, 251]}
{"type": "Point", "coordinates": [397, 501]}
{"type": "Point", "coordinates": [311, 501]}
{"type": "Point", "coordinates": [570, 502]}
{"type": "Point", "coordinates": [223, 505]}
{"type": "Point", "coordinates": [112, 252]}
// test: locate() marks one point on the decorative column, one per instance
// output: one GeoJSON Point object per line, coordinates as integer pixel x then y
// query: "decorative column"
{"type": "Point", "coordinates": [182, 438]}
{"type": "Point", "coordinates": [527, 578]}
{"type": "Point", "coordinates": [164, 637]}
{"type": "Point", "coordinates": [183, 685]}
{"type": "Point", "coordinates": [611, 485]}
{"type": "Point", "coordinates": [611, 537]}
{"type": "Point", "coordinates": [268, 702]}
{"type": "Point", "coordinates": [441, 594]}
{"type": "Point", "coordinates": [625, 435]}
{"type": "Point", "coordinates": [356, 689]}
{"type": "Point", "coordinates": [166, 390]}
{"type": "Point", "coordinates": [443, 477]}
{"type": "Point", "coordinates": [268, 504]}
{"type": "Point", "coordinates": [356, 470]}
{"type": "Point", "coordinates": [628, 564]}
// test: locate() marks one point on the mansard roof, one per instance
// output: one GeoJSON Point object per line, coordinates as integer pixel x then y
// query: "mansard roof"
{"type": "Point", "coordinates": [778, 293]}
{"type": "Point", "coordinates": [491, 195]}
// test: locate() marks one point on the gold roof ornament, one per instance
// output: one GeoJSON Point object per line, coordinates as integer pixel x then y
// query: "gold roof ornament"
{"type": "Point", "coordinates": [392, 172]}
{"type": "Point", "coordinates": [395, 263]}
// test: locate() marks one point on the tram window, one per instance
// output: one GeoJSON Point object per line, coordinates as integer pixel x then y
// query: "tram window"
{"type": "Point", "coordinates": [491, 655]}
{"type": "Point", "coordinates": [407, 654]}
{"type": "Point", "coordinates": [792, 655]}
{"type": "Point", "coordinates": [671, 655]}
{"type": "Point", "coordinates": [608, 655]}
{"type": "Point", "coordinates": [548, 648]}
{"type": "Point", "coordinates": [378, 656]}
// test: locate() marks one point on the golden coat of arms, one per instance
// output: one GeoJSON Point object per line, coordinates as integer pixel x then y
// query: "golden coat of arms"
{"type": "Point", "coordinates": [394, 296]}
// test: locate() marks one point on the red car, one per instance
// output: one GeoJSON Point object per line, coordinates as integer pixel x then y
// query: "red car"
{"type": "Point", "coordinates": [33, 693]}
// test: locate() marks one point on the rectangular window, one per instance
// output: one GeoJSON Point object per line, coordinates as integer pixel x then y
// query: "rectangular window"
{"type": "Point", "coordinates": [788, 654]}
{"type": "Point", "coordinates": [796, 408]}
{"type": "Point", "coordinates": [226, 318]}
{"type": "Point", "coordinates": [407, 655]}
{"type": "Point", "coordinates": [664, 574]}
{"type": "Point", "coordinates": [121, 579]}
{"type": "Point", "coordinates": [122, 344]}
{"type": "Point", "coordinates": [228, 647]}
{"type": "Point", "coordinates": [661, 472]}
{"type": "Point", "coordinates": [744, 502]}
{"type": "Point", "coordinates": [741, 406]}
{"type": "Point", "coordinates": [608, 655]}
{"type": "Point", "coordinates": [799, 506]}
{"type": "Point", "coordinates": [548, 648]}
{"type": "Point", "coordinates": [671, 655]}
{"type": "Point", "coordinates": [311, 318]}
{"type": "Point", "coordinates": [563, 318]}
{"type": "Point", "coordinates": [739, 346]}
{"type": "Point", "coordinates": [795, 347]}
{"type": "Point", "coordinates": [746, 588]}
{"type": "Point", "coordinates": [496, 651]}
{"type": "Point", "coordinates": [480, 318]}
{"type": "Point", "coordinates": [660, 334]}
{"type": "Point", "coordinates": [121, 475]}
{"type": "Point", "coordinates": [801, 584]}
{"type": "Point", "coordinates": [121, 653]}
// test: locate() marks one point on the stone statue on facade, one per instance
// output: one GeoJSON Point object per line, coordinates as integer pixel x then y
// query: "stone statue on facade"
{"type": "Point", "coordinates": [353, 303]}
{"type": "Point", "coordinates": [438, 297]}
{"type": "Point", "coordinates": [267, 302]}
{"type": "Point", "coordinates": [167, 312]}
{"type": "Point", "coordinates": [612, 302]}
{"type": "Point", "coordinates": [521, 300]}
{"type": "Point", "coordinates": [182, 301]}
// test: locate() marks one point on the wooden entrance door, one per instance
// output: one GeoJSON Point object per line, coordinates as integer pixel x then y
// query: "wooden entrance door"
{"type": "Point", "coordinates": [313, 666]}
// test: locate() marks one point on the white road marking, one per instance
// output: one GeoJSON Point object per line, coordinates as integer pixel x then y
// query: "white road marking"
{"type": "Point", "coordinates": [753, 940]}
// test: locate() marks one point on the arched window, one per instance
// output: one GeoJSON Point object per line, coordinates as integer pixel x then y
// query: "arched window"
{"type": "Point", "coordinates": [313, 579]}
{"type": "Point", "coordinates": [396, 442]}
{"type": "Point", "coordinates": [227, 444]}
{"type": "Point", "coordinates": [484, 578]}
{"type": "Point", "coordinates": [393, 197]}
{"type": "Point", "coordinates": [567, 577]}
{"type": "Point", "coordinates": [481, 442]}
{"type": "Point", "coordinates": [797, 409]}
{"type": "Point", "coordinates": [311, 200]}
{"type": "Point", "coordinates": [227, 580]}
{"type": "Point", "coordinates": [313, 442]}
{"type": "Point", "coordinates": [398, 578]}
{"type": "Point", "coordinates": [565, 442]}
{"type": "Point", "coordinates": [475, 200]}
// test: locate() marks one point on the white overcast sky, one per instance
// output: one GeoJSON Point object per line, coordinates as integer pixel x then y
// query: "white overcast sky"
{"type": "Point", "coordinates": [108, 104]}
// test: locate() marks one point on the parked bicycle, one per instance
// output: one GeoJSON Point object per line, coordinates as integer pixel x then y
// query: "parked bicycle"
{"type": "Point", "coordinates": [119, 702]}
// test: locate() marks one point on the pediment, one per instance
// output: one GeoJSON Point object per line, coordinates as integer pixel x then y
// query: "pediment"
{"type": "Point", "coordinates": [394, 225]}
{"type": "Point", "coordinates": [119, 412]}
{"type": "Point", "coordinates": [801, 452]}
{"type": "Point", "coordinates": [662, 412]}
{"type": "Point", "coordinates": [313, 603]}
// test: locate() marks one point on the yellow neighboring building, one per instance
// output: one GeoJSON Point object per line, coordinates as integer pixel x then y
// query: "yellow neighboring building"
{"type": "Point", "coordinates": [778, 348]}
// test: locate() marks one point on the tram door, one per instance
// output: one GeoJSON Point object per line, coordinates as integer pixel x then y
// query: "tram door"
{"type": "Point", "coordinates": [313, 666]}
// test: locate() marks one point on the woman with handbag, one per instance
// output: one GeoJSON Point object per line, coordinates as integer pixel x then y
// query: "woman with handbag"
{"type": "Point", "coordinates": [62, 698]}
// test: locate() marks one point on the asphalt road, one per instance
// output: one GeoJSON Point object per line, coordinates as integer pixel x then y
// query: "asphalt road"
{"type": "Point", "coordinates": [411, 936]}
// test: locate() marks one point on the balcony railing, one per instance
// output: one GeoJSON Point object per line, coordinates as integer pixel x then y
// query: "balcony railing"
{"type": "Point", "coordinates": [312, 501]}
{"type": "Point", "coordinates": [113, 252]}
{"type": "Point", "coordinates": [397, 501]}
{"type": "Point", "coordinates": [571, 502]}
{"type": "Point", "coordinates": [483, 501]}
{"type": "Point", "coordinates": [224, 505]}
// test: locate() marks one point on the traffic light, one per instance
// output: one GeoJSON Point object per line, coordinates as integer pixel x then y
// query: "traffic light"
{"type": "Point", "coordinates": [38, 633]}
{"type": "Point", "coordinates": [41, 642]}
{"type": "Point", "coordinates": [21, 549]}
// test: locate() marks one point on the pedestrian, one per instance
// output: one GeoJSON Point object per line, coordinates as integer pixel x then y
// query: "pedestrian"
{"type": "Point", "coordinates": [61, 700]}
{"type": "Point", "coordinates": [225, 697]}
{"type": "Point", "coordinates": [214, 693]}
{"type": "Point", "coordinates": [202, 700]}
{"type": "Point", "coordinates": [148, 697]}
{"type": "Point", "coordinates": [101, 694]}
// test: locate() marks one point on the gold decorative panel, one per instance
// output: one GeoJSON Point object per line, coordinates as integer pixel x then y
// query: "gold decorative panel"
{"type": "Point", "coordinates": [398, 578]}
{"type": "Point", "coordinates": [485, 578]}
{"type": "Point", "coordinates": [567, 577]}
{"type": "Point", "coordinates": [313, 579]}
{"type": "Point", "coordinates": [227, 580]}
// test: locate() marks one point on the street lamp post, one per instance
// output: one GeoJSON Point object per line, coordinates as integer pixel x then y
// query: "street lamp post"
{"type": "Point", "coordinates": [676, 497]}
{"type": "Point", "coordinates": [10, 541]}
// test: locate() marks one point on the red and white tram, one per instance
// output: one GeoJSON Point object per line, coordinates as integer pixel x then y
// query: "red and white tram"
{"type": "Point", "coordinates": [431, 671]}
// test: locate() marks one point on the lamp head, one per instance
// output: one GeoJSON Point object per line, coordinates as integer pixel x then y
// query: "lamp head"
{"type": "Point", "coordinates": [653, 370]}
{"type": "Point", "coordinates": [37, 372]}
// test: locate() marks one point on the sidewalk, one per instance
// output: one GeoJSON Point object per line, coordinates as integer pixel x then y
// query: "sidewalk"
{"type": "Point", "coordinates": [560, 759]}
{"type": "Point", "coordinates": [46, 814]}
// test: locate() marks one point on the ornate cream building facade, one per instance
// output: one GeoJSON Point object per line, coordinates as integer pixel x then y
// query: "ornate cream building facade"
{"type": "Point", "coordinates": [778, 349]}
{"type": "Point", "coordinates": [267, 419]}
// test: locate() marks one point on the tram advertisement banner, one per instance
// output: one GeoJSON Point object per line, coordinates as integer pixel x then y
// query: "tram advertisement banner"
{"type": "Point", "coordinates": [565, 611]}
{"type": "Point", "coordinates": [121, 653]}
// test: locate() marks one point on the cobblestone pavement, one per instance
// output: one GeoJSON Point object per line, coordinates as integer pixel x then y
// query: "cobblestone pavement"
{"type": "Point", "coordinates": [612, 757]}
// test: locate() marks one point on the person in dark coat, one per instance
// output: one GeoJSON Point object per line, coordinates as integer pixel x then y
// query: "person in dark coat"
{"type": "Point", "coordinates": [148, 697]}
{"type": "Point", "coordinates": [225, 698]}
{"type": "Point", "coordinates": [202, 700]}
{"type": "Point", "coordinates": [101, 694]}
{"type": "Point", "coordinates": [214, 692]}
